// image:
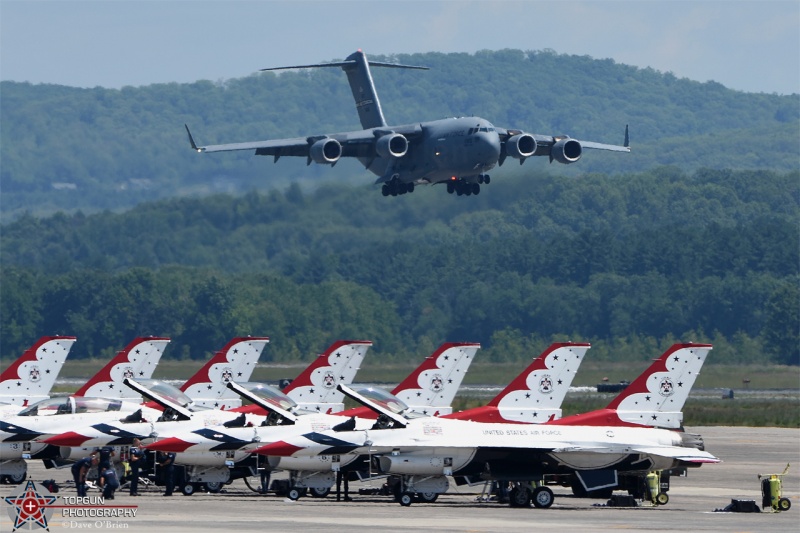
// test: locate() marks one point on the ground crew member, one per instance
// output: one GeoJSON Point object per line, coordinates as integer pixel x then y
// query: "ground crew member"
{"type": "Point", "coordinates": [109, 482]}
{"type": "Point", "coordinates": [166, 460]}
{"type": "Point", "coordinates": [105, 453]}
{"type": "Point", "coordinates": [136, 461]}
{"type": "Point", "coordinates": [339, 477]}
{"type": "Point", "coordinates": [79, 470]}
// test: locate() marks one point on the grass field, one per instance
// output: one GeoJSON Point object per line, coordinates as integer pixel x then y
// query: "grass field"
{"type": "Point", "coordinates": [778, 405]}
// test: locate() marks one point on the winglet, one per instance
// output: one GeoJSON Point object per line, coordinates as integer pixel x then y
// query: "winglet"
{"type": "Point", "coordinates": [626, 143]}
{"type": "Point", "coordinates": [194, 145]}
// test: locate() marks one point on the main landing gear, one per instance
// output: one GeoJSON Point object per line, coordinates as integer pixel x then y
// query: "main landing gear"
{"type": "Point", "coordinates": [394, 186]}
{"type": "Point", "coordinates": [466, 188]}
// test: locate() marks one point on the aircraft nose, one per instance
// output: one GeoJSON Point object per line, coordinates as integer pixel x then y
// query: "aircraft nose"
{"type": "Point", "coordinates": [69, 438]}
{"type": "Point", "coordinates": [489, 147]}
{"type": "Point", "coordinates": [170, 444]}
{"type": "Point", "coordinates": [279, 449]}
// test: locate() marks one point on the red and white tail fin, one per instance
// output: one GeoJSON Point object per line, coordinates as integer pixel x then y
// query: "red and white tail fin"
{"type": "Point", "coordinates": [315, 388]}
{"type": "Point", "coordinates": [30, 378]}
{"type": "Point", "coordinates": [535, 396]}
{"type": "Point", "coordinates": [657, 396]}
{"type": "Point", "coordinates": [235, 362]}
{"type": "Point", "coordinates": [430, 389]}
{"type": "Point", "coordinates": [138, 361]}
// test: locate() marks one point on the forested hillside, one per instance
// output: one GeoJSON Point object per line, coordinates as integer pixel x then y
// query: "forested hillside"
{"type": "Point", "coordinates": [93, 149]}
{"type": "Point", "coordinates": [629, 261]}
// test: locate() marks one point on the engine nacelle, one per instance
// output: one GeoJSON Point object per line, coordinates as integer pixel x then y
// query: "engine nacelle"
{"type": "Point", "coordinates": [392, 145]}
{"type": "Point", "coordinates": [521, 146]}
{"type": "Point", "coordinates": [325, 151]}
{"type": "Point", "coordinates": [566, 151]}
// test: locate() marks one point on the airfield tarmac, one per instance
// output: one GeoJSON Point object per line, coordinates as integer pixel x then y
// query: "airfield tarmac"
{"type": "Point", "coordinates": [745, 452]}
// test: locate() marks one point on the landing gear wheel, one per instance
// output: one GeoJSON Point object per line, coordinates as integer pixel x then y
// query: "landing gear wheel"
{"type": "Point", "coordinates": [486, 179]}
{"type": "Point", "coordinates": [214, 486]}
{"type": "Point", "coordinates": [385, 190]}
{"type": "Point", "coordinates": [476, 188]}
{"type": "Point", "coordinates": [405, 499]}
{"type": "Point", "coordinates": [543, 497]}
{"type": "Point", "coordinates": [16, 479]}
{"type": "Point", "coordinates": [410, 187]}
{"type": "Point", "coordinates": [784, 504]}
{"type": "Point", "coordinates": [293, 494]}
{"type": "Point", "coordinates": [320, 493]}
{"type": "Point", "coordinates": [450, 187]}
{"type": "Point", "coordinates": [519, 497]}
{"type": "Point", "coordinates": [662, 498]}
{"type": "Point", "coordinates": [427, 497]}
{"type": "Point", "coordinates": [188, 489]}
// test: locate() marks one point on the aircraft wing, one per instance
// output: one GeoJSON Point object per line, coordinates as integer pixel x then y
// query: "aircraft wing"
{"type": "Point", "coordinates": [690, 455]}
{"type": "Point", "coordinates": [601, 146]}
{"type": "Point", "coordinates": [360, 143]}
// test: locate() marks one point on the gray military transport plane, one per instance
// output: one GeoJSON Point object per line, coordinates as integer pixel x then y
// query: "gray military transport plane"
{"type": "Point", "coordinates": [455, 151]}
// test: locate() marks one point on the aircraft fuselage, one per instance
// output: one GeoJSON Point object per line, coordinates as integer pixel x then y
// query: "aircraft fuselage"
{"type": "Point", "coordinates": [448, 149]}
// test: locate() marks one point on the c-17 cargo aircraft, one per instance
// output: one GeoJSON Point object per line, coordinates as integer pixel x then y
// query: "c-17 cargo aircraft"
{"type": "Point", "coordinates": [455, 151]}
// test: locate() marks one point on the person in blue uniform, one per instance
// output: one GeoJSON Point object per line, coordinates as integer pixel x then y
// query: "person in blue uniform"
{"type": "Point", "coordinates": [166, 460]}
{"type": "Point", "coordinates": [79, 470]}
{"type": "Point", "coordinates": [105, 453]}
{"type": "Point", "coordinates": [136, 461]}
{"type": "Point", "coordinates": [109, 482]}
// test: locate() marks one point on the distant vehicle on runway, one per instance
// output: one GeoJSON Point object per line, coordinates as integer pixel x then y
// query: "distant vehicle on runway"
{"type": "Point", "coordinates": [456, 151]}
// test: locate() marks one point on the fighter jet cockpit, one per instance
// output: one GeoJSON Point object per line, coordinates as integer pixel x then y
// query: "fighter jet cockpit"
{"type": "Point", "coordinates": [170, 392]}
{"type": "Point", "coordinates": [389, 402]}
{"type": "Point", "coordinates": [270, 395]}
{"type": "Point", "coordinates": [68, 405]}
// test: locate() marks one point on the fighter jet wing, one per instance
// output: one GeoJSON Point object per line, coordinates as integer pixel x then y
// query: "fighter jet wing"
{"type": "Point", "coordinates": [690, 455]}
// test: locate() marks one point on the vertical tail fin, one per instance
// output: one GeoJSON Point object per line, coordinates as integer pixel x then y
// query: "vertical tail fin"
{"type": "Point", "coordinates": [138, 360]}
{"type": "Point", "coordinates": [236, 361]}
{"type": "Point", "coordinates": [657, 396]}
{"type": "Point", "coordinates": [359, 76]}
{"type": "Point", "coordinates": [315, 388]}
{"type": "Point", "coordinates": [430, 389]}
{"type": "Point", "coordinates": [30, 378]}
{"type": "Point", "coordinates": [535, 396]}
{"type": "Point", "coordinates": [366, 97]}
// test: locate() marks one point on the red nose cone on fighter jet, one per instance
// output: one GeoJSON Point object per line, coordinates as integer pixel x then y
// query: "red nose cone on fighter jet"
{"type": "Point", "coordinates": [171, 444]}
{"type": "Point", "coordinates": [70, 439]}
{"type": "Point", "coordinates": [278, 449]}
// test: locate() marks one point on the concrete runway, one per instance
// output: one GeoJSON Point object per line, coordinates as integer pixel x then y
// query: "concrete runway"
{"type": "Point", "coordinates": [745, 452]}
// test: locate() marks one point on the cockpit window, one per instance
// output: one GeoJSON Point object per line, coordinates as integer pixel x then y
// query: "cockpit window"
{"type": "Point", "coordinates": [166, 390]}
{"type": "Point", "coordinates": [271, 395]}
{"type": "Point", "coordinates": [385, 399]}
{"type": "Point", "coordinates": [48, 407]}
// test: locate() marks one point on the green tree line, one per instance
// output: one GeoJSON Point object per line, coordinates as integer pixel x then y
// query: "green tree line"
{"type": "Point", "coordinates": [629, 260]}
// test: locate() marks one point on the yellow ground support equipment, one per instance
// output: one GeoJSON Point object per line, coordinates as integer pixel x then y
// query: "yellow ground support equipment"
{"type": "Point", "coordinates": [772, 491]}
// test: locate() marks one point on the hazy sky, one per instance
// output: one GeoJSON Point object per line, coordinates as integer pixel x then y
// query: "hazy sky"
{"type": "Point", "coordinates": [746, 45]}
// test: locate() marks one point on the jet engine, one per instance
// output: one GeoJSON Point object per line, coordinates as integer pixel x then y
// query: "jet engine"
{"type": "Point", "coordinates": [521, 146]}
{"type": "Point", "coordinates": [325, 151]}
{"type": "Point", "coordinates": [392, 145]}
{"type": "Point", "coordinates": [566, 151]}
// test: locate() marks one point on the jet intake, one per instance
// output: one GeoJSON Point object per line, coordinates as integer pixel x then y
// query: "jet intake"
{"type": "Point", "coordinates": [391, 145]}
{"type": "Point", "coordinates": [521, 146]}
{"type": "Point", "coordinates": [325, 151]}
{"type": "Point", "coordinates": [566, 151]}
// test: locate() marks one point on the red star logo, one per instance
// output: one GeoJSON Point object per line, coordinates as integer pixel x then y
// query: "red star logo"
{"type": "Point", "coordinates": [30, 506]}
